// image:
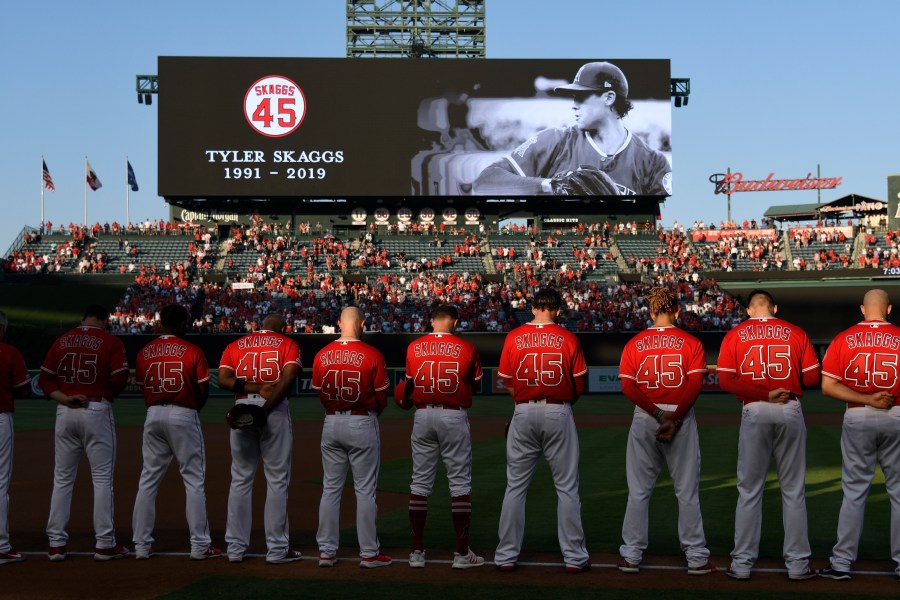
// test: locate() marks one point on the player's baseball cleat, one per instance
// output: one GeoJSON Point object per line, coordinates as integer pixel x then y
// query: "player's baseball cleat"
{"type": "Point", "coordinates": [11, 557]}
{"type": "Point", "coordinates": [464, 561]}
{"type": "Point", "coordinates": [417, 559]}
{"type": "Point", "coordinates": [627, 567]}
{"type": "Point", "coordinates": [738, 576]}
{"type": "Point", "coordinates": [114, 553]}
{"type": "Point", "coordinates": [576, 569]}
{"type": "Point", "coordinates": [291, 556]}
{"type": "Point", "coordinates": [373, 562]}
{"type": "Point", "coordinates": [57, 553]}
{"type": "Point", "coordinates": [143, 553]}
{"type": "Point", "coordinates": [702, 570]}
{"type": "Point", "coordinates": [327, 560]}
{"type": "Point", "coordinates": [832, 573]}
{"type": "Point", "coordinates": [506, 568]}
{"type": "Point", "coordinates": [808, 574]}
{"type": "Point", "coordinates": [209, 552]}
{"type": "Point", "coordinates": [235, 558]}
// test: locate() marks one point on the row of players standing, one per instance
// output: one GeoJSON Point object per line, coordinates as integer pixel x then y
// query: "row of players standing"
{"type": "Point", "coordinates": [765, 362]}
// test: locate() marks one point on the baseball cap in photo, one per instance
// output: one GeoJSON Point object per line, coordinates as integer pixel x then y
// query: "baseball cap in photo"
{"type": "Point", "coordinates": [596, 77]}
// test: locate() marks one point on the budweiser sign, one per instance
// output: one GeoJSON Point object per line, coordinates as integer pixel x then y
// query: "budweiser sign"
{"type": "Point", "coordinates": [729, 183]}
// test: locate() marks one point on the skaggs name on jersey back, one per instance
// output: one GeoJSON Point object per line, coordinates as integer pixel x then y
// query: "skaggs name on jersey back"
{"type": "Point", "coordinates": [257, 341]}
{"type": "Point", "coordinates": [653, 342]}
{"type": "Point", "coordinates": [446, 349]}
{"type": "Point", "coordinates": [350, 358]}
{"type": "Point", "coordinates": [764, 331]}
{"type": "Point", "coordinates": [168, 349]}
{"type": "Point", "coordinates": [538, 340]}
{"type": "Point", "coordinates": [872, 338]}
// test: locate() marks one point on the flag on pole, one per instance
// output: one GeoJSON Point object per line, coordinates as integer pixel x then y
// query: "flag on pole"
{"type": "Point", "coordinates": [48, 181]}
{"type": "Point", "coordinates": [92, 179]}
{"type": "Point", "coordinates": [132, 180]}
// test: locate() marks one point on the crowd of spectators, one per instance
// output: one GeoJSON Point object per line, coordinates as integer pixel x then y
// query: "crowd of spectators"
{"type": "Point", "coordinates": [298, 272]}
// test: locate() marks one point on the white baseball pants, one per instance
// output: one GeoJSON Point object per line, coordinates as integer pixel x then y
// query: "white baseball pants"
{"type": "Point", "coordinates": [6, 463]}
{"type": "Point", "coordinates": [439, 434]}
{"type": "Point", "coordinates": [549, 430]}
{"type": "Point", "coordinates": [644, 460]}
{"type": "Point", "coordinates": [869, 437]}
{"type": "Point", "coordinates": [90, 430]}
{"type": "Point", "coordinates": [274, 445]}
{"type": "Point", "coordinates": [172, 431]}
{"type": "Point", "coordinates": [349, 442]}
{"type": "Point", "coordinates": [771, 430]}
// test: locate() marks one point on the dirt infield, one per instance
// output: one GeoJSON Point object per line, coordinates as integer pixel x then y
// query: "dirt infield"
{"type": "Point", "coordinates": [81, 577]}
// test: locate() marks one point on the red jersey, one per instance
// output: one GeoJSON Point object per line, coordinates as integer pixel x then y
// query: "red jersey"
{"type": "Point", "coordinates": [541, 361]}
{"type": "Point", "coordinates": [866, 358]}
{"type": "Point", "coordinates": [83, 361]}
{"type": "Point", "coordinates": [260, 357]}
{"type": "Point", "coordinates": [13, 374]}
{"type": "Point", "coordinates": [445, 368]}
{"type": "Point", "coordinates": [171, 369]}
{"type": "Point", "coordinates": [769, 353]}
{"type": "Point", "coordinates": [347, 374]}
{"type": "Point", "coordinates": [660, 360]}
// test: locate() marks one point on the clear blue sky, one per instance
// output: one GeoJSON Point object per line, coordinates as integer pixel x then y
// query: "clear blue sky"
{"type": "Point", "coordinates": [775, 86]}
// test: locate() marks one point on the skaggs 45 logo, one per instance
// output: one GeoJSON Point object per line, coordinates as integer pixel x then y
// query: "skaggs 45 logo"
{"type": "Point", "coordinates": [274, 106]}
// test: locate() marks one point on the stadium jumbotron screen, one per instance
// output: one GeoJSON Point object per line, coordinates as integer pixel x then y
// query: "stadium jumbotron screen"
{"type": "Point", "coordinates": [340, 128]}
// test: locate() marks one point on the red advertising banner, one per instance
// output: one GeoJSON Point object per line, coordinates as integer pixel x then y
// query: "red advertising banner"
{"type": "Point", "coordinates": [711, 381]}
{"type": "Point", "coordinates": [714, 235]}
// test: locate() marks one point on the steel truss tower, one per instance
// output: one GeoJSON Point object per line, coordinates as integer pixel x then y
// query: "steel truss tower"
{"type": "Point", "coordinates": [416, 28]}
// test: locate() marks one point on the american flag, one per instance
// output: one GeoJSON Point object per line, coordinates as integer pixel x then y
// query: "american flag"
{"type": "Point", "coordinates": [48, 181]}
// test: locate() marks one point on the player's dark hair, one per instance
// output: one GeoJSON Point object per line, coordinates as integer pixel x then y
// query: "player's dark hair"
{"type": "Point", "coordinates": [662, 300]}
{"type": "Point", "coordinates": [622, 105]}
{"type": "Point", "coordinates": [547, 299]}
{"type": "Point", "coordinates": [764, 294]}
{"type": "Point", "coordinates": [173, 316]}
{"type": "Point", "coordinates": [98, 312]}
{"type": "Point", "coordinates": [446, 310]}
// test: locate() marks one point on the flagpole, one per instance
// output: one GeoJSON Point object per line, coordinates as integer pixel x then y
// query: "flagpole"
{"type": "Point", "coordinates": [127, 186]}
{"type": "Point", "coordinates": [85, 190]}
{"type": "Point", "coordinates": [41, 227]}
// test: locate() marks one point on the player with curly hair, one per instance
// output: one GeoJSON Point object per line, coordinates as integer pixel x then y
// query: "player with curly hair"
{"type": "Point", "coordinates": [662, 371]}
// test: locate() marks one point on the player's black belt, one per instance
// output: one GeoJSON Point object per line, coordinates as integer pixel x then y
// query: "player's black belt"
{"type": "Point", "coordinates": [542, 401]}
{"type": "Point", "coordinates": [95, 399]}
{"type": "Point", "coordinates": [440, 406]}
{"type": "Point", "coordinates": [355, 413]}
{"type": "Point", "coordinates": [746, 402]}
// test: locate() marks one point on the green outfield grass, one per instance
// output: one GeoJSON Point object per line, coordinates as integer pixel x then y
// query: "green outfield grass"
{"type": "Point", "coordinates": [34, 414]}
{"type": "Point", "coordinates": [226, 588]}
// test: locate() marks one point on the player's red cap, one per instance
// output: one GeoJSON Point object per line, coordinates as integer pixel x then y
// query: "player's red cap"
{"type": "Point", "coordinates": [403, 393]}
{"type": "Point", "coordinates": [596, 77]}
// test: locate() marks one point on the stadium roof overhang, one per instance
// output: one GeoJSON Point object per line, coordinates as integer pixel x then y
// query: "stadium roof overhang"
{"type": "Point", "coordinates": [793, 212]}
{"type": "Point", "coordinates": [851, 203]}
{"type": "Point", "coordinates": [564, 205]}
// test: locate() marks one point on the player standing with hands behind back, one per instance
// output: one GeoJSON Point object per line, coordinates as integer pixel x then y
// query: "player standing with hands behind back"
{"type": "Point", "coordinates": [84, 370]}
{"type": "Point", "coordinates": [662, 371]}
{"type": "Point", "coordinates": [175, 377]}
{"type": "Point", "coordinates": [766, 362]}
{"type": "Point", "coordinates": [861, 369]}
{"type": "Point", "coordinates": [543, 367]}
{"type": "Point", "coordinates": [260, 369]}
{"type": "Point", "coordinates": [441, 370]}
